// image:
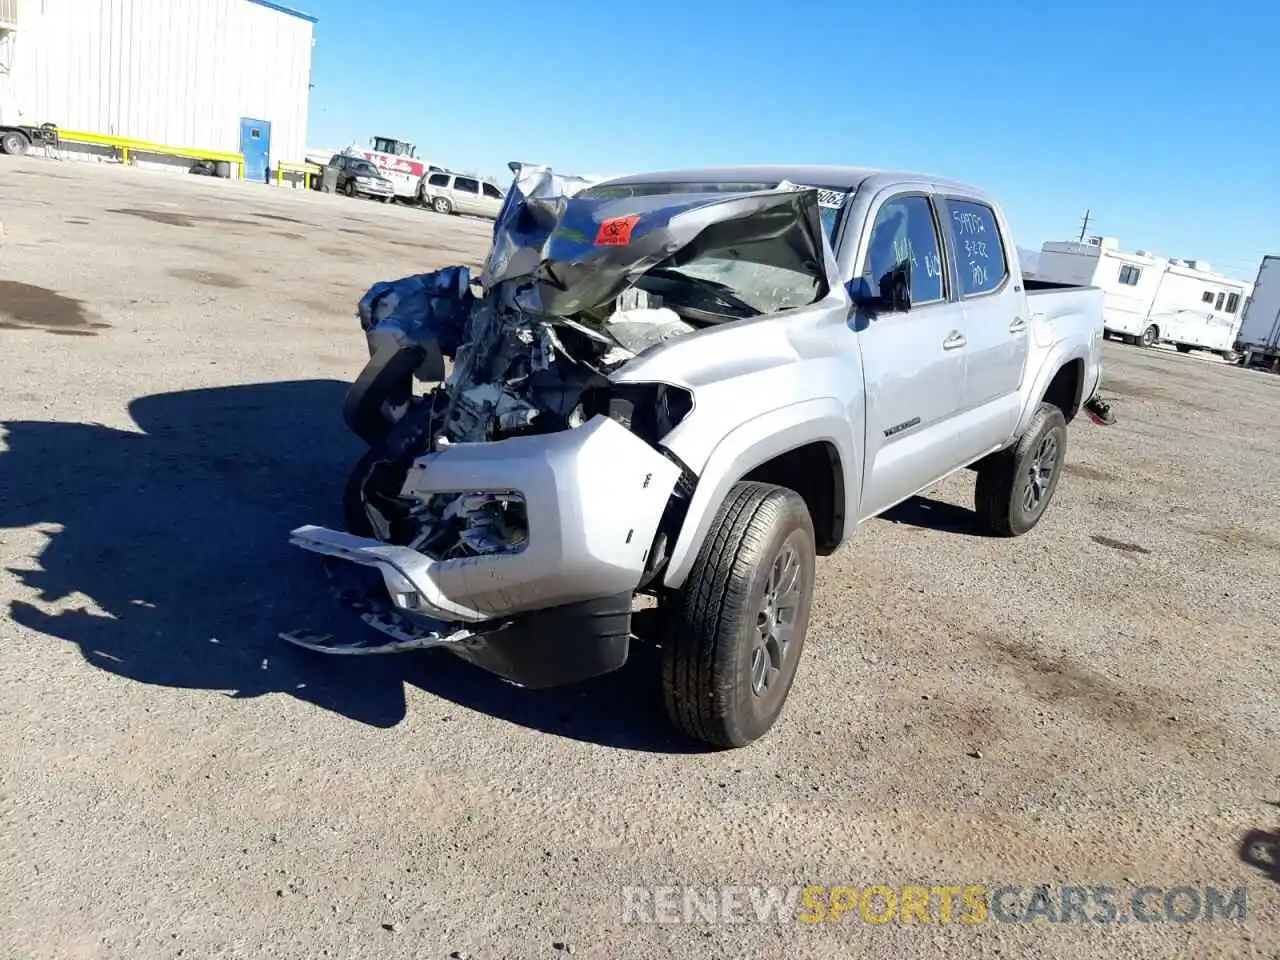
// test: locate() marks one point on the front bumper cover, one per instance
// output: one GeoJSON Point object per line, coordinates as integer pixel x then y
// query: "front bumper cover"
{"type": "Point", "coordinates": [594, 496]}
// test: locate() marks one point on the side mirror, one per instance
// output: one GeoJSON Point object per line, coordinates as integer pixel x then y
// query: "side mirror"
{"type": "Point", "coordinates": [895, 288]}
{"type": "Point", "coordinates": [891, 294]}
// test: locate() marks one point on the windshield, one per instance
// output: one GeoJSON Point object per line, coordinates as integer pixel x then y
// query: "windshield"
{"type": "Point", "coordinates": [722, 255]}
{"type": "Point", "coordinates": [732, 281]}
{"type": "Point", "coordinates": [363, 168]}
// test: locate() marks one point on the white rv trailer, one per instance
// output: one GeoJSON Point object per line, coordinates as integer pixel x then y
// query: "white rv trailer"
{"type": "Point", "coordinates": [1197, 308]}
{"type": "Point", "coordinates": [1258, 342]}
{"type": "Point", "coordinates": [1147, 298]}
{"type": "Point", "coordinates": [1128, 280]}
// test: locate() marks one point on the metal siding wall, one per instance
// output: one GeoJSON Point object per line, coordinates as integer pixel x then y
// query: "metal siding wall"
{"type": "Point", "coordinates": [180, 72]}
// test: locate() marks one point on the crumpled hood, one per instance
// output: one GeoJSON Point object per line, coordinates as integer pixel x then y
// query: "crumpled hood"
{"type": "Point", "coordinates": [581, 252]}
{"type": "Point", "coordinates": [561, 313]}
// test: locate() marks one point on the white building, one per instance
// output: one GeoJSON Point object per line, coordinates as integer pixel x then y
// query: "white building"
{"type": "Point", "coordinates": [1147, 298]}
{"type": "Point", "coordinates": [231, 76]}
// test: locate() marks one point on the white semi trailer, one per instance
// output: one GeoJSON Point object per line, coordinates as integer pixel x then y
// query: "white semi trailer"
{"type": "Point", "coordinates": [1258, 343]}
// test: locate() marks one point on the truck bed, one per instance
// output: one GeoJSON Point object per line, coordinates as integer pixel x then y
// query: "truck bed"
{"type": "Point", "coordinates": [1053, 300]}
{"type": "Point", "coordinates": [1035, 285]}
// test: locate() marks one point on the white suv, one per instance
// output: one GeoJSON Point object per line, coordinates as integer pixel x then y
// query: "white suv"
{"type": "Point", "coordinates": [456, 193]}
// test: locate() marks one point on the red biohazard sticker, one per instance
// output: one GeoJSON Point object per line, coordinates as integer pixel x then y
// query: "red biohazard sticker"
{"type": "Point", "coordinates": [616, 231]}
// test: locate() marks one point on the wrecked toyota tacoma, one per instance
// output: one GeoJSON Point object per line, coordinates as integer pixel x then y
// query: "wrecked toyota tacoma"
{"type": "Point", "coordinates": [688, 385]}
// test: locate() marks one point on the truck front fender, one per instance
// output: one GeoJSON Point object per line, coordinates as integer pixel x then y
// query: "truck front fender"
{"type": "Point", "coordinates": [821, 420]}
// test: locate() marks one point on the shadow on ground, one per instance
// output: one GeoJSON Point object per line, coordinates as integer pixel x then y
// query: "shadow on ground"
{"type": "Point", "coordinates": [930, 514]}
{"type": "Point", "coordinates": [168, 556]}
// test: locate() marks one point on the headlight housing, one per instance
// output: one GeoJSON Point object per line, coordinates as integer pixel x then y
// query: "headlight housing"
{"type": "Point", "coordinates": [649, 410]}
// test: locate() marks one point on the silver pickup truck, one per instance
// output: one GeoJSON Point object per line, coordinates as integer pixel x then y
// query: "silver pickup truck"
{"type": "Point", "coordinates": [690, 385]}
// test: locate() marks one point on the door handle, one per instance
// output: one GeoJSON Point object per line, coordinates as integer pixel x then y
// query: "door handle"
{"type": "Point", "coordinates": [954, 340]}
{"type": "Point", "coordinates": [1019, 324]}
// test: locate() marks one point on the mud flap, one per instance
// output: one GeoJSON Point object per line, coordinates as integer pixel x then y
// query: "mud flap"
{"type": "Point", "coordinates": [557, 646]}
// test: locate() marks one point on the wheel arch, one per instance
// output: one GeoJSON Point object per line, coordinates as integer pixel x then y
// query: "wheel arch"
{"type": "Point", "coordinates": [1064, 372]}
{"type": "Point", "coordinates": [1066, 389]}
{"type": "Point", "coordinates": [777, 447]}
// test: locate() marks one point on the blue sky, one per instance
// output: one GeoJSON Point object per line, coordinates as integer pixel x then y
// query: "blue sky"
{"type": "Point", "coordinates": [1162, 118]}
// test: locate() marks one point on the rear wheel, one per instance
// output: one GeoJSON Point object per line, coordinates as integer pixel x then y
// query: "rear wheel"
{"type": "Point", "coordinates": [1015, 486]}
{"type": "Point", "coordinates": [1183, 347]}
{"type": "Point", "coordinates": [1149, 336]}
{"type": "Point", "coordinates": [733, 634]}
{"type": "Point", "coordinates": [14, 142]}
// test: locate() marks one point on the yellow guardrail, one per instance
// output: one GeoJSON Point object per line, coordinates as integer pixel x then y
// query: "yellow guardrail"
{"type": "Point", "coordinates": [308, 170]}
{"type": "Point", "coordinates": [126, 144]}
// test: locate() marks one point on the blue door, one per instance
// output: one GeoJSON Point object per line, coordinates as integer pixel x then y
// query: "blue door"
{"type": "Point", "coordinates": [255, 144]}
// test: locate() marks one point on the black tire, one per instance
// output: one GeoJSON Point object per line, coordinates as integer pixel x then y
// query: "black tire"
{"type": "Point", "coordinates": [354, 519]}
{"type": "Point", "coordinates": [442, 205]}
{"type": "Point", "coordinates": [1183, 347]}
{"type": "Point", "coordinates": [723, 682]}
{"type": "Point", "coordinates": [1149, 337]}
{"type": "Point", "coordinates": [386, 199]}
{"type": "Point", "coordinates": [14, 143]}
{"type": "Point", "coordinates": [1008, 498]}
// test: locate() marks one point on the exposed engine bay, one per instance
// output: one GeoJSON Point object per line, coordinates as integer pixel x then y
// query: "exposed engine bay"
{"type": "Point", "coordinates": [577, 284]}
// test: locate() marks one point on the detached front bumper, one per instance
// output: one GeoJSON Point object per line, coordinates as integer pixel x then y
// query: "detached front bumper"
{"type": "Point", "coordinates": [594, 497]}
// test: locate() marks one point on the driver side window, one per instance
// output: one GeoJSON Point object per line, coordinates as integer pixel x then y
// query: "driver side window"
{"type": "Point", "coordinates": [905, 234]}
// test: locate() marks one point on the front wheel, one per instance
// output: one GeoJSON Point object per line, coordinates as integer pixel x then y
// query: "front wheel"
{"type": "Point", "coordinates": [733, 633]}
{"type": "Point", "coordinates": [1015, 486]}
{"type": "Point", "coordinates": [441, 205]}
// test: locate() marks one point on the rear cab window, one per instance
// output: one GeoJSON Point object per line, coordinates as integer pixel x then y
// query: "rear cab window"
{"type": "Point", "coordinates": [982, 265]}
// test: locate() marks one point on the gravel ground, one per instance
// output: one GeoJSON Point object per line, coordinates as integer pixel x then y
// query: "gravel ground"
{"type": "Point", "coordinates": [1092, 704]}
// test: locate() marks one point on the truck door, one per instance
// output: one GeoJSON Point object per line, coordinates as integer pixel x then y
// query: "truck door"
{"type": "Point", "coordinates": [996, 318]}
{"type": "Point", "coordinates": [913, 360]}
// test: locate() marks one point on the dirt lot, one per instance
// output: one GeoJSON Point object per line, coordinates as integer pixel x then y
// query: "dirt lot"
{"type": "Point", "coordinates": [1093, 704]}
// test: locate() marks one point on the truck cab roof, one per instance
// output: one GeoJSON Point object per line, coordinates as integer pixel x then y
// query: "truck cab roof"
{"type": "Point", "coordinates": [846, 179]}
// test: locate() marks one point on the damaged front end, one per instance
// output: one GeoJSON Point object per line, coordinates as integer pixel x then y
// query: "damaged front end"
{"type": "Point", "coordinates": [528, 496]}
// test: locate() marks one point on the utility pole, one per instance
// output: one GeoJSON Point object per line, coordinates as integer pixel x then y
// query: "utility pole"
{"type": "Point", "coordinates": [1084, 226]}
